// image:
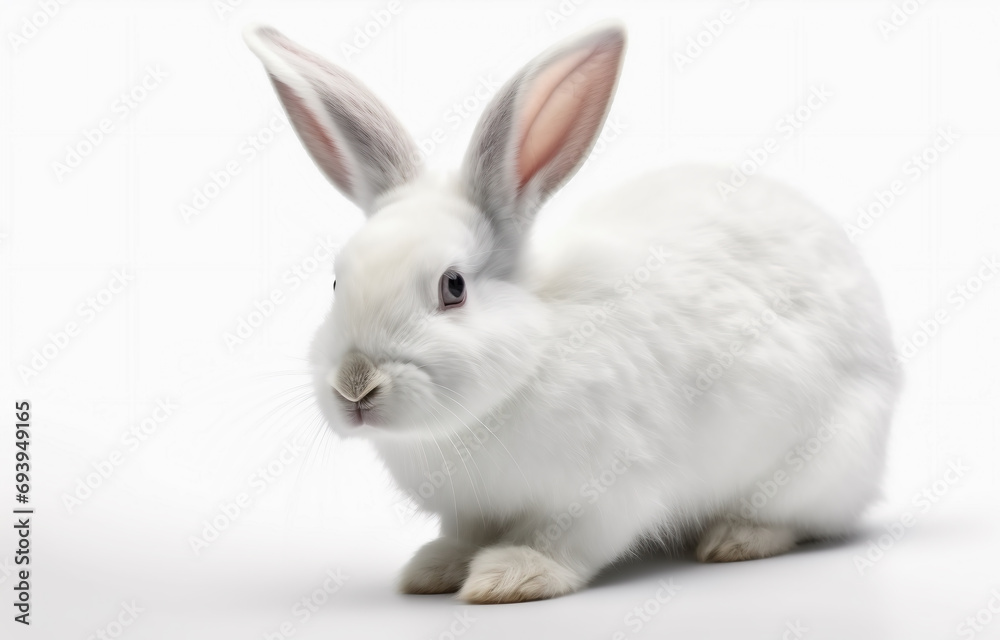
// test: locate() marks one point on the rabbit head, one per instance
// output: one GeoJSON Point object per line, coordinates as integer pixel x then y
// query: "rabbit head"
{"type": "Point", "coordinates": [432, 323]}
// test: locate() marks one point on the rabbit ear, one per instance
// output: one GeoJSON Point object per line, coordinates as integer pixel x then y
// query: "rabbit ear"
{"type": "Point", "coordinates": [538, 129]}
{"type": "Point", "coordinates": [350, 134]}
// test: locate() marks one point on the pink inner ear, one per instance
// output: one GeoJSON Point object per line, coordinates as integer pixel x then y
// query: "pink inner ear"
{"type": "Point", "coordinates": [563, 108]}
{"type": "Point", "coordinates": [315, 138]}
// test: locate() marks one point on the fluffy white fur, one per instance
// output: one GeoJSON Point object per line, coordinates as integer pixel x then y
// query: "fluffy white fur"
{"type": "Point", "coordinates": [636, 375]}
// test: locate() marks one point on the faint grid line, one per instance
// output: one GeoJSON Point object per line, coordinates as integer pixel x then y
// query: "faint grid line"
{"type": "Point", "coordinates": [10, 224]}
{"type": "Point", "coordinates": [130, 226]}
{"type": "Point", "coordinates": [264, 228]}
{"type": "Point", "coordinates": [667, 103]}
{"type": "Point", "coordinates": [664, 114]}
{"type": "Point", "coordinates": [800, 81]}
{"type": "Point", "coordinates": [934, 208]}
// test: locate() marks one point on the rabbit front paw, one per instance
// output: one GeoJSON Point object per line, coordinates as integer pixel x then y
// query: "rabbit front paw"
{"type": "Point", "coordinates": [506, 574]}
{"type": "Point", "coordinates": [440, 566]}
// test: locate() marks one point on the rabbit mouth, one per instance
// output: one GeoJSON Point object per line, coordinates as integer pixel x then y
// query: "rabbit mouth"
{"type": "Point", "coordinates": [361, 413]}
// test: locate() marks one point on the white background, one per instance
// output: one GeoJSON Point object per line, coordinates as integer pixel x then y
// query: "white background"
{"type": "Point", "coordinates": [332, 509]}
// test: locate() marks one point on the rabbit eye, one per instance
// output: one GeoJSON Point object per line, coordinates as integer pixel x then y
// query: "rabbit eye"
{"type": "Point", "coordinates": [452, 289]}
{"type": "Point", "coordinates": [334, 285]}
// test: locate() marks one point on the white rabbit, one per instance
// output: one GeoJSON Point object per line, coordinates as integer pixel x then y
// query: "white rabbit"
{"type": "Point", "coordinates": [670, 364]}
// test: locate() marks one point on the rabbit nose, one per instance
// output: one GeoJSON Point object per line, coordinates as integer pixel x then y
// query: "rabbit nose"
{"type": "Point", "coordinates": [357, 377]}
